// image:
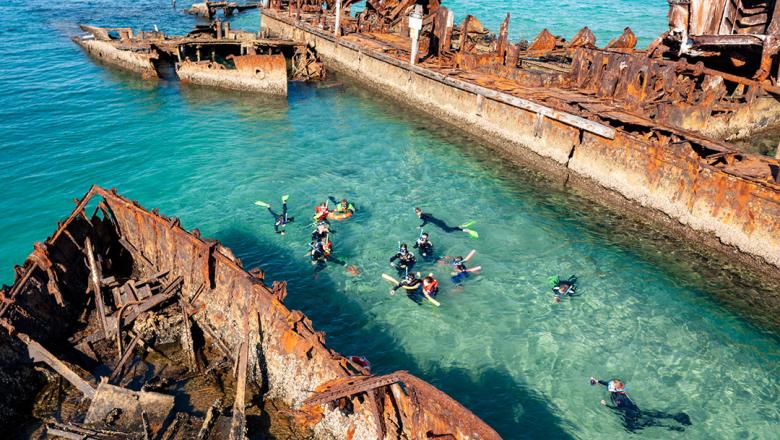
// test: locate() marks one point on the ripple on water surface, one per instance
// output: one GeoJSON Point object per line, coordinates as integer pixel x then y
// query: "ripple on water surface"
{"type": "Point", "coordinates": [498, 344]}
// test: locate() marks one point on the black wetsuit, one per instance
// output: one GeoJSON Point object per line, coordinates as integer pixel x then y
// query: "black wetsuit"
{"type": "Point", "coordinates": [406, 261]}
{"type": "Point", "coordinates": [406, 282]}
{"type": "Point", "coordinates": [428, 218]}
{"type": "Point", "coordinates": [317, 251]}
{"type": "Point", "coordinates": [318, 236]}
{"type": "Point", "coordinates": [414, 293]}
{"type": "Point", "coordinates": [635, 419]}
{"type": "Point", "coordinates": [425, 247]}
{"type": "Point", "coordinates": [565, 287]}
{"type": "Point", "coordinates": [281, 220]}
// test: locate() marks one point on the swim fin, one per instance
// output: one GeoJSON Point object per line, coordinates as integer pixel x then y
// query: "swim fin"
{"type": "Point", "coordinates": [284, 198]}
{"type": "Point", "coordinates": [553, 280]}
{"type": "Point", "coordinates": [468, 224]}
{"type": "Point", "coordinates": [472, 234]}
{"type": "Point", "coordinates": [263, 204]}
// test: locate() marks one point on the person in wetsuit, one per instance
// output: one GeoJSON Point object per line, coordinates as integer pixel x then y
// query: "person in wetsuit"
{"type": "Point", "coordinates": [412, 285]}
{"type": "Point", "coordinates": [320, 251]}
{"type": "Point", "coordinates": [281, 220]}
{"type": "Point", "coordinates": [406, 260]}
{"type": "Point", "coordinates": [424, 245]}
{"type": "Point", "coordinates": [321, 233]}
{"type": "Point", "coordinates": [564, 288]}
{"type": "Point", "coordinates": [633, 418]}
{"type": "Point", "coordinates": [428, 218]}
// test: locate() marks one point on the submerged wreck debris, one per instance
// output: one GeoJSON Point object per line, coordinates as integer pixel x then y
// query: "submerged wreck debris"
{"type": "Point", "coordinates": [648, 124]}
{"type": "Point", "coordinates": [209, 9]}
{"type": "Point", "coordinates": [214, 55]}
{"type": "Point", "coordinates": [138, 314]}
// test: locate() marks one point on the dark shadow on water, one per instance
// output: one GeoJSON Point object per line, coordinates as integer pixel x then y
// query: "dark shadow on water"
{"type": "Point", "coordinates": [493, 385]}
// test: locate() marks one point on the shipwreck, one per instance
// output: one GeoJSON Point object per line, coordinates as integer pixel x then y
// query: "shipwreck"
{"type": "Point", "coordinates": [211, 55]}
{"type": "Point", "coordinates": [129, 326]}
{"type": "Point", "coordinates": [652, 126]}
{"type": "Point", "coordinates": [209, 9]}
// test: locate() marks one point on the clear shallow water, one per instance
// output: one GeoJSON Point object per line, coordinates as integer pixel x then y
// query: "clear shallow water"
{"type": "Point", "coordinates": [651, 312]}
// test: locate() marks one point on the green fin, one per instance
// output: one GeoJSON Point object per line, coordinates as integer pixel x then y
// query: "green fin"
{"type": "Point", "coordinates": [263, 204]}
{"type": "Point", "coordinates": [468, 224]}
{"type": "Point", "coordinates": [472, 234]}
{"type": "Point", "coordinates": [553, 280]}
{"type": "Point", "coordinates": [284, 198]}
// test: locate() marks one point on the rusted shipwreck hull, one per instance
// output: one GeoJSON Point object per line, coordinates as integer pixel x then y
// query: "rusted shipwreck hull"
{"type": "Point", "coordinates": [646, 124]}
{"type": "Point", "coordinates": [214, 56]}
{"type": "Point", "coordinates": [76, 305]}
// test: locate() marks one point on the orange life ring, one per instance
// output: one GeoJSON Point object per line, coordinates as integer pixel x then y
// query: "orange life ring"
{"type": "Point", "coordinates": [339, 215]}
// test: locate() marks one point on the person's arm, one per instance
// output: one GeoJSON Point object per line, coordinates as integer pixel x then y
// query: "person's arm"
{"type": "Point", "coordinates": [393, 258]}
{"type": "Point", "coordinates": [424, 217]}
{"type": "Point", "coordinates": [416, 244]}
{"type": "Point", "coordinates": [413, 286]}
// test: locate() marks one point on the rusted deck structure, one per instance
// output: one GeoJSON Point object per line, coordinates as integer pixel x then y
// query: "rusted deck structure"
{"type": "Point", "coordinates": [115, 284]}
{"type": "Point", "coordinates": [214, 55]}
{"type": "Point", "coordinates": [209, 9]}
{"type": "Point", "coordinates": [646, 124]}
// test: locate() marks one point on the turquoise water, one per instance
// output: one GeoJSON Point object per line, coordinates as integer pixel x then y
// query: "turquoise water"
{"type": "Point", "coordinates": [651, 311]}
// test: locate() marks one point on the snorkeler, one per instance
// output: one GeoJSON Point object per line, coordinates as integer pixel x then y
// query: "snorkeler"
{"type": "Point", "coordinates": [412, 285]}
{"type": "Point", "coordinates": [424, 245]}
{"type": "Point", "coordinates": [280, 220]}
{"type": "Point", "coordinates": [428, 218]}
{"type": "Point", "coordinates": [406, 259]}
{"type": "Point", "coordinates": [410, 282]}
{"type": "Point", "coordinates": [321, 233]}
{"type": "Point", "coordinates": [343, 206]}
{"type": "Point", "coordinates": [321, 213]}
{"type": "Point", "coordinates": [634, 418]}
{"type": "Point", "coordinates": [320, 251]}
{"type": "Point", "coordinates": [430, 286]}
{"type": "Point", "coordinates": [460, 271]}
{"type": "Point", "coordinates": [563, 288]}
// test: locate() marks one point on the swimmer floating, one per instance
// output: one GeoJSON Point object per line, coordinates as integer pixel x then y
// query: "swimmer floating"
{"type": "Point", "coordinates": [280, 220]}
{"type": "Point", "coordinates": [635, 419]}
{"type": "Point", "coordinates": [428, 218]}
{"type": "Point", "coordinates": [460, 270]}
{"type": "Point", "coordinates": [562, 288]}
{"type": "Point", "coordinates": [412, 284]}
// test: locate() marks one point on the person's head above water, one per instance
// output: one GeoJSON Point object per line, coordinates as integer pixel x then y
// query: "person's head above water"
{"type": "Point", "coordinates": [457, 260]}
{"type": "Point", "coordinates": [418, 211]}
{"type": "Point", "coordinates": [424, 236]}
{"type": "Point", "coordinates": [344, 202]}
{"type": "Point", "coordinates": [403, 248]}
{"type": "Point", "coordinates": [616, 386]}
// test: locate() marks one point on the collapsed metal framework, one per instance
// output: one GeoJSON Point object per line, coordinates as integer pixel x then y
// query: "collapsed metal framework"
{"type": "Point", "coordinates": [599, 90]}
{"type": "Point", "coordinates": [109, 291]}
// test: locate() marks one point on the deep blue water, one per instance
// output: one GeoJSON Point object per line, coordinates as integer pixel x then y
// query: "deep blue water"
{"type": "Point", "coordinates": [650, 310]}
